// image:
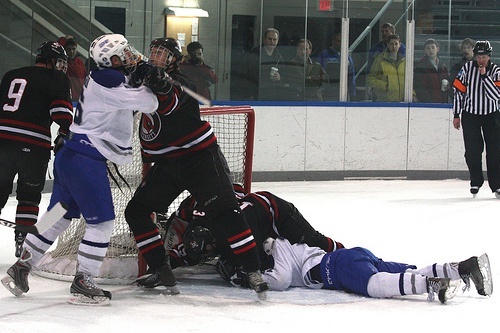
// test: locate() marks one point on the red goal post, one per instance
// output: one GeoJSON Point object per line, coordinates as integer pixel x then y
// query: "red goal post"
{"type": "Point", "coordinates": [246, 120]}
{"type": "Point", "coordinates": [234, 128]}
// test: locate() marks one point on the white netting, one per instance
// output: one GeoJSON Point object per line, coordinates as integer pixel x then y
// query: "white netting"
{"type": "Point", "coordinates": [233, 127]}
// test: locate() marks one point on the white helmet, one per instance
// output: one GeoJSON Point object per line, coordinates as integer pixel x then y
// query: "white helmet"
{"type": "Point", "coordinates": [106, 46]}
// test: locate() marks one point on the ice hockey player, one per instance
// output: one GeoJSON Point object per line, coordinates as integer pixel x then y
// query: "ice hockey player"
{"type": "Point", "coordinates": [267, 215]}
{"type": "Point", "coordinates": [357, 270]}
{"type": "Point", "coordinates": [101, 131]}
{"type": "Point", "coordinates": [32, 98]}
{"type": "Point", "coordinates": [186, 156]}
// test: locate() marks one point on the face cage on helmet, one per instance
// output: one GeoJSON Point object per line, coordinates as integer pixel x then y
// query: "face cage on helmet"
{"type": "Point", "coordinates": [130, 57]}
{"type": "Point", "coordinates": [61, 65]}
{"type": "Point", "coordinates": [163, 57]}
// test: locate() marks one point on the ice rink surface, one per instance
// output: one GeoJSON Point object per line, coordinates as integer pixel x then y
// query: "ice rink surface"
{"type": "Point", "coordinates": [417, 222]}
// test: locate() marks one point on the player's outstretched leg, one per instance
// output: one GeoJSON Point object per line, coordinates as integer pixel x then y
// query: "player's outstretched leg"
{"type": "Point", "coordinates": [87, 292]}
{"type": "Point", "coordinates": [160, 277]}
{"type": "Point", "coordinates": [443, 287]}
{"type": "Point", "coordinates": [478, 270]}
{"type": "Point", "coordinates": [17, 280]}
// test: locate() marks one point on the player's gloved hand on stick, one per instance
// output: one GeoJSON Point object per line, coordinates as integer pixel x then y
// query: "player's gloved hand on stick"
{"type": "Point", "coordinates": [158, 81]}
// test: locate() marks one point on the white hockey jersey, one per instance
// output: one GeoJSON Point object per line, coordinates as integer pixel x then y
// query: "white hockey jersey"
{"type": "Point", "coordinates": [292, 264]}
{"type": "Point", "coordinates": [105, 113]}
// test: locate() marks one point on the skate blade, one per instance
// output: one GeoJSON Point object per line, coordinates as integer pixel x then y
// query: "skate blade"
{"type": "Point", "coordinates": [485, 268]}
{"type": "Point", "coordinates": [141, 279]}
{"type": "Point", "coordinates": [8, 283]}
{"type": "Point", "coordinates": [262, 295]}
{"type": "Point", "coordinates": [165, 290]}
{"type": "Point", "coordinates": [80, 299]}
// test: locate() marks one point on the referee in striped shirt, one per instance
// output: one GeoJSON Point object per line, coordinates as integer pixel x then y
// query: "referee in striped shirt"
{"type": "Point", "coordinates": [476, 98]}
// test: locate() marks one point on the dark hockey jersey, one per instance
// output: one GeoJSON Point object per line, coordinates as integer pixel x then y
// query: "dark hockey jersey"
{"type": "Point", "coordinates": [266, 214]}
{"type": "Point", "coordinates": [176, 130]}
{"type": "Point", "coordinates": [31, 98]}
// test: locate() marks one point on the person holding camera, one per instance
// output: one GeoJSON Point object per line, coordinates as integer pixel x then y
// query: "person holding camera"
{"type": "Point", "coordinates": [194, 67]}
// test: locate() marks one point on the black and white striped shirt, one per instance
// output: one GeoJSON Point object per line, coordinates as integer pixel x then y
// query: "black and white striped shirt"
{"type": "Point", "coordinates": [475, 93]}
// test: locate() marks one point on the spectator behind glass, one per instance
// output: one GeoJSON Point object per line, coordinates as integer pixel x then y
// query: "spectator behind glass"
{"type": "Point", "coordinates": [305, 76]}
{"type": "Point", "coordinates": [466, 48]}
{"type": "Point", "coordinates": [268, 85]}
{"type": "Point", "coordinates": [387, 75]}
{"type": "Point", "coordinates": [431, 76]}
{"type": "Point", "coordinates": [387, 30]}
{"type": "Point", "coordinates": [194, 67]}
{"type": "Point", "coordinates": [330, 61]}
{"type": "Point", "coordinates": [76, 68]}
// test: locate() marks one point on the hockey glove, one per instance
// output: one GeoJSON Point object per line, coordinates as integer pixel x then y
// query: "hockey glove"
{"type": "Point", "coordinates": [140, 74]}
{"type": "Point", "coordinates": [234, 275]}
{"type": "Point", "coordinates": [58, 143]}
{"type": "Point", "coordinates": [158, 81]}
{"type": "Point", "coordinates": [240, 278]}
{"type": "Point", "coordinates": [224, 270]}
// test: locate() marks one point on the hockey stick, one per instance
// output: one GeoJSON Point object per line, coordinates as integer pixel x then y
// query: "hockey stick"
{"type": "Point", "coordinates": [195, 95]}
{"type": "Point", "coordinates": [45, 222]}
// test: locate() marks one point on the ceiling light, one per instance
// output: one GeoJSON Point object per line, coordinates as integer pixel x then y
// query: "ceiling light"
{"type": "Point", "coordinates": [186, 11]}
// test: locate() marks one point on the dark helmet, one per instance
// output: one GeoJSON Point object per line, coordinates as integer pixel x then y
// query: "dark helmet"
{"type": "Point", "coordinates": [169, 45]}
{"type": "Point", "coordinates": [199, 244]}
{"type": "Point", "coordinates": [52, 53]}
{"type": "Point", "coordinates": [482, 47]}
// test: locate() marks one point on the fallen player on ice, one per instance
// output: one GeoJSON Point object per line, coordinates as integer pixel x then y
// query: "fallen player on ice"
{"type": "Point", "coordinates": [359, 271]}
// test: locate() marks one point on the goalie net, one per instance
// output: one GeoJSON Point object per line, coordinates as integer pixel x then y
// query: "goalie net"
{"type": "Point", "coordinates": [234, 129]}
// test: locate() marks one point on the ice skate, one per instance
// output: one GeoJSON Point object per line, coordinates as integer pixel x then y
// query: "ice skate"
{"type": "Point", "coordinates": [258, 284]}
{"type": "Point", "coordinates": [86, 291]}
{"type": "Point", "coordinates": [478, 270]}
{"type": "Point", "coordinates": [161, 277]}
{"type": "Point", "coordinates": [474, 190]}
{"type": "Point", "coordinates": [443, 287]}
{"type": "Point", "coordinates": [17, 280]}
{"type": "Point", "coordinates": [497, 193]}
